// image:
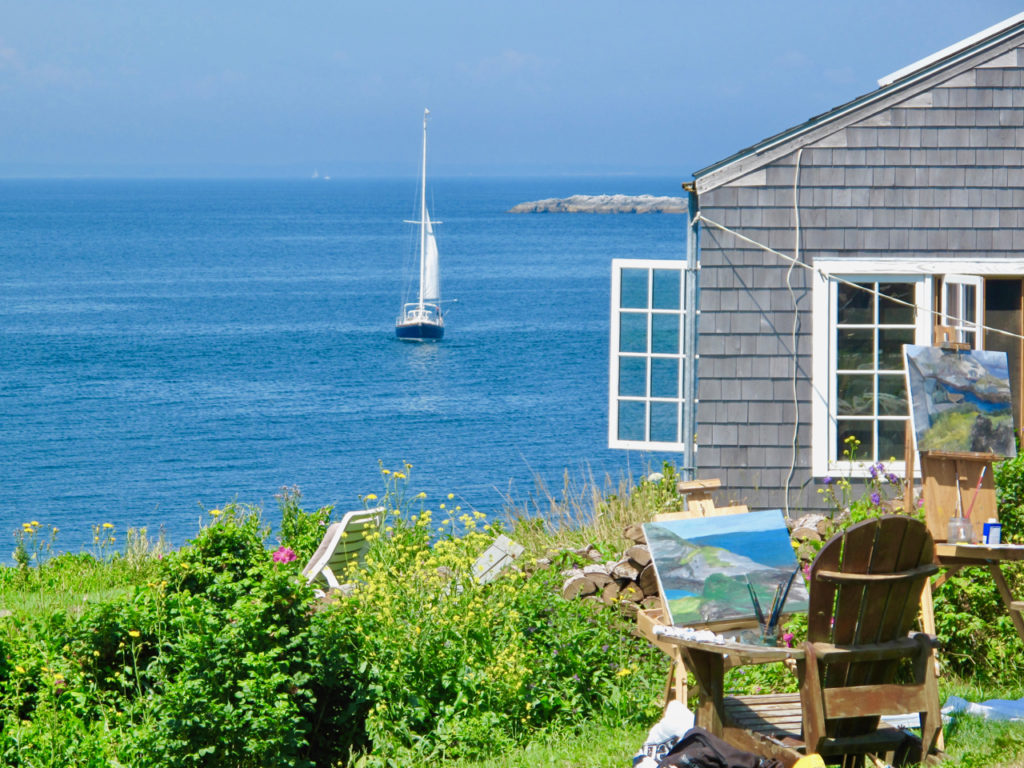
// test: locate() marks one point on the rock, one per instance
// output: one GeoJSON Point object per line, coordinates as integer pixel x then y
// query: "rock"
{"type": "Point", "coordinates": [604, 204]}
{"type": "Point", "coordinates": [805, 534]}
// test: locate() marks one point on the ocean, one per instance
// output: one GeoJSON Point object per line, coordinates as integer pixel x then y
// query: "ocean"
{"type": "Point", "coordinates": [169, 346]}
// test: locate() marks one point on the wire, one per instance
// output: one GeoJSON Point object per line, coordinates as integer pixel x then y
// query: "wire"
{"type": "Point", "coordinates": [796, 322]}
{"type": "Point", "coordinates": [826, 276]}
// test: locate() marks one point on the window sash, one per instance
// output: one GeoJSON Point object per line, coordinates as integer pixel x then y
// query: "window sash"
{"type": "Point", "coordinates": [859, 370]}
{"type": "Point", "coordinates": [647, 361]}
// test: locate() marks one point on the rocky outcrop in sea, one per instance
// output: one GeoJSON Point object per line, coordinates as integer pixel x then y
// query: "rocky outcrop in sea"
{"type": "Point", "coordinates": [604, 204]}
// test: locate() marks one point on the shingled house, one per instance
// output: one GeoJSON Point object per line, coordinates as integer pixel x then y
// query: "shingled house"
{"type": "Point", "coordinates": [915, 190]}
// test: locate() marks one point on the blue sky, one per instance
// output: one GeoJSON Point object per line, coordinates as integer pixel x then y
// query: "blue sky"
{"type": "Point", "coordinates": [228, 88]}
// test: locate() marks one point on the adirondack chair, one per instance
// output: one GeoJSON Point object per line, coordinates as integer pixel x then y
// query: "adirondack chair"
{"type": "Point", "coordinates": [865, 593]}
{"type": "Point", "coordinates": [344, 544]}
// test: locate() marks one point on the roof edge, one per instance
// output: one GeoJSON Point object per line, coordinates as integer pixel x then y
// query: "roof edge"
{"type": "Point", "coordinates": [910, 76]}
{"type": "Point", "coordinates": [950, 50]}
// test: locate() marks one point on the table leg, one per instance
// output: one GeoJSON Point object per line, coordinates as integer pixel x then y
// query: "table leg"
{"type": "Point", "coordinates": [1004, 592]}
{"type": "Point", "coordinates": [709, 670]}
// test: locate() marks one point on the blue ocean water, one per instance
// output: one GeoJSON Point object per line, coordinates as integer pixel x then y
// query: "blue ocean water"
{"type": "Point", "coordinates": [172, 345]}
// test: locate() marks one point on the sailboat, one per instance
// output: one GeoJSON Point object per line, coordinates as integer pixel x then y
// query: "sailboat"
{"type": "Point", "coordinates": [423, 320]}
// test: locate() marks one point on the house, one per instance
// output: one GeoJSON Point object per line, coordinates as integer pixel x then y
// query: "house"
{"type": "Point", "coordinates": [915, 192]}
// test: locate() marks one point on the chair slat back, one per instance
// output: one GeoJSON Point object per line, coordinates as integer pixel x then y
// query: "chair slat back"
{"type": "Point", "coordinates": [345, 542]}
{"type": "Point", "coordinates": [853, 611]}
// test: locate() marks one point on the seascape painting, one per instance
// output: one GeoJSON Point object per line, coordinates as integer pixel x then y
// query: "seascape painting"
{"type": "Point", "coordinates": [705, 564]}
{"type": "Point", "coordinates": [960, 400]}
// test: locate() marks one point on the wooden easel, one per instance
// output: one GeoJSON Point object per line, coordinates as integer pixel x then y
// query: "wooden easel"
{"type": "Point", "coordinates": [697, 495]}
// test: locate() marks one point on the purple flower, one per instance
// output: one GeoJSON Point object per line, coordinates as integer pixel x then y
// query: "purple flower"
{"type": "Point", "coordinates": [876, 498]}
{"type": "Point", "coordinates": [891, 477]}
{"type": "Point", "coordinates": [874, 471]}
{"type": "Point", "coordinates": [788, 639]}
{"type": "Point", "coordinates": [827, 480]}
{"type": "Point", "coordinates": [284, 555]}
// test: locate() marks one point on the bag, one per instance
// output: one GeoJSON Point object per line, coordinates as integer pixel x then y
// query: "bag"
{"type": "Point", "coordinates": [701, 749]}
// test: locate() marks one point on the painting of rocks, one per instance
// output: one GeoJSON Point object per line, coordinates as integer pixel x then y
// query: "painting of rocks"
{"type": "Point", "coordinates": [960, 400]}
{"type": "Point", "coordinates": [703, 566]}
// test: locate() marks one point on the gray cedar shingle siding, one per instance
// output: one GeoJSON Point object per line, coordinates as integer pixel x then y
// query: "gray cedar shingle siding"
{"type": "Point", "coordinates": [931, 169]}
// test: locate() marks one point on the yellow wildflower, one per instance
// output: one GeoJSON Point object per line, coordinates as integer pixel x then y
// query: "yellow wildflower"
{"type": "Point", "coordinates": [400, 475]}
{"type": "Point", "coordinates": [19, 669]}
{"type": "Point", "coordinates": [624, 672]}
{"type": "Point", "coordinates": [451, 496]}
{"type": "Point", "coordinates": [370, 497]}
{"type": "Point", "coordinates": [134, 633]}
{"type": "Point", "coordinates": [385, 471]}
{"type": "Point", "coordinates": [35, 523]}
{"type": "Point", "coordinates": [421, 495]}
{"type": "Point", "coordinates": [216, 512]}
{"type": "Point", "coordinates": [108, 526]}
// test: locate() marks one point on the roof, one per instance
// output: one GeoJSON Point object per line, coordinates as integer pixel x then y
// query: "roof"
{"type": "Point", "coordinates": [902, 82]}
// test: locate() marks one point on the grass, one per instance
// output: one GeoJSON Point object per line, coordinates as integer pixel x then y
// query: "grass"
{"type": "Point", "coordinates": [591, 746]}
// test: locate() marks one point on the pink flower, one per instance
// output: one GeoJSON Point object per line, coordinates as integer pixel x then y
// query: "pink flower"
{"type": "Point", "coordinates": [788, 639]}
{"type": "Point", "coordinates": [284, 555]}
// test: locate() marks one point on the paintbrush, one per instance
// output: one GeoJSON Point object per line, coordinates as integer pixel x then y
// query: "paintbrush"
{"type": "Point", "coordinates": [777, 614]}
{"type": "Point", "coordinates": [977, 488]}
{"type": "Point", "coordinates": [772, 613]}
{"type": "Point", "coordinates": [757, 605]}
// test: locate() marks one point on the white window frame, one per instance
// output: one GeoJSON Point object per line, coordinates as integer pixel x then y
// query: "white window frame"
{"type": "Point", "coordinates": [955, 317]}
{"type": "Point", "coordinates": [679, 445]}
{"type": "Point", "coordinates": [862, 269]}
{"type": "Point", "coordinates": [826, 458]}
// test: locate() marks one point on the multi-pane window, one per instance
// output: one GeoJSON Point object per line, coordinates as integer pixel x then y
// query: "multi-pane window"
{"type": "Point", "coordinates": [862, 384]}
{"type": "Point", "coordinates": [648, 362]}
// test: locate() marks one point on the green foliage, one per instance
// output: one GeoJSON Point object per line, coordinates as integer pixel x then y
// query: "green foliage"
{"type": "Point", "coordinates": [216, 655]}
{"type": "Point", "coordinates": [300, 531]}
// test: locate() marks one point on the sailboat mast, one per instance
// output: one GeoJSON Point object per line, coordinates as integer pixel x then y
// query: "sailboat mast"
{"type": "Point", "coordinates": [423, 208]}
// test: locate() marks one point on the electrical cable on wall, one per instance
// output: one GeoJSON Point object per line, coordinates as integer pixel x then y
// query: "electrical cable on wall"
{"type": "Point", "coordinates": [796, 323]}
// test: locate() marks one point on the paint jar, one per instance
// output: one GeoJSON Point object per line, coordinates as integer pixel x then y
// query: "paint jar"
{"type": "Point", "coordinates": [960, 531]}
{"type": "Point", "coordinates": [993, 531]}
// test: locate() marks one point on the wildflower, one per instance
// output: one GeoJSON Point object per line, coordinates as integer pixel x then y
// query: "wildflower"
{"type": "Point", "coordinates": [36, 523]}
{"type": "Point", "coordinates": [442, 505]}
{"type": "Point", "coordinates": [134, 633]}
{"type": "Point", "coordinates": [55, 529]}
{"type": "Point", "coordinates": [216, 512]}
{"type": "Point", "coordinates": [370, 497]}
{"type": "Point", "coordinates": [108, 526]}
{"type": "Point", "coordinates": [284, 555]}
{"type": "Point", "coordinates": [19, 669]}
{"type": "Point", "coordinates": [876, 498]}
{"type": "Point", "coordinates": [451, 496]}
{"type": "Point", "coordinates": [892, 478]}
{"type": "Point", "coordinates": [421, 495]}
{"type": "Point", "coordinates": [624, 672]}
{"type": "Point", "coordinates": [873, 469]}
{"type": "Point", "coordinates": [385, 471]}
{"type": "Point", "coordinates": [400, 475]}
{"type": "Point", "coordinates": [827, 480]}
{"type": "Point", "coordinates": [787, 638]}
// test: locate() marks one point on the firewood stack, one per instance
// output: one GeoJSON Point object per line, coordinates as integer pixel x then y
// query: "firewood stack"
{"type": "Point", "coordinates": [628, 583]}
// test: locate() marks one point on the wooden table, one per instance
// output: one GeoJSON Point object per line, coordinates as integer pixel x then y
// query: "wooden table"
{"type": "Point", "coordinates": [953, 557]}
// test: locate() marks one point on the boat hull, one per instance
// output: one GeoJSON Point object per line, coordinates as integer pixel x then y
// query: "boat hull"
{"type": "Point", "coordinates": [419, 332]}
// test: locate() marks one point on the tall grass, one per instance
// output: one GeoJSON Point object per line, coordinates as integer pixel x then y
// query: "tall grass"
{"type": "Point", "coordinates": [584, 511]}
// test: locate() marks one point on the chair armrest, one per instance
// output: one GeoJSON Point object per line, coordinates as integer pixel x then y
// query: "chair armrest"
{"type": "Point", "coordinates": [894, 649]}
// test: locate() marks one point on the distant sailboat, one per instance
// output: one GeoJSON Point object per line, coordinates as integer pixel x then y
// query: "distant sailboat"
{"type": "Point", "coordinates": [423, 319]}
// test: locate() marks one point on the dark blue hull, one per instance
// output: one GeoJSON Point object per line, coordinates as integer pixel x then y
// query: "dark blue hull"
{"type": "Point", "coordinates": [419, 332]}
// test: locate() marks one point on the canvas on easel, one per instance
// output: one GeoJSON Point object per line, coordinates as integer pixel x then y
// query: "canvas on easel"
{"type": "Point", "coordinates": [962, 415]}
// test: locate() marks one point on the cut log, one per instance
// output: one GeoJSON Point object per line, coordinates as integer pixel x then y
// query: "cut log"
{"type": "Point", "coordinates": [625, 570]}
{"type": "Point", "coordinates": [639, 554]}
{"type": "Point", "coordinates": [650, 603]}
{"type": "Point", "coordinates": [578, 586]}
{"type": "Point", "coordinates": [635, 532]}
{"type": "Point", "coordinates": [804, 533]}
{"type": "Point", "coordinates": [631, 593]}
{"type": "Point", "coordinates": [610, 593]}
{"type": "Point", "coordinates": [648, 581]}
{"type": "Point", "coordinates": [628, 609]}
{"type": "Point", "coordinates": [597, 573]}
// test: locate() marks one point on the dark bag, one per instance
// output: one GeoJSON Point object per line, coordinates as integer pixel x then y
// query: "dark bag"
{"type": "Point", "coordinates": [700, 749]}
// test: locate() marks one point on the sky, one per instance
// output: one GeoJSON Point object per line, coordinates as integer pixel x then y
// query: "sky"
{"type": "Point", "coordinates": [225, 88]}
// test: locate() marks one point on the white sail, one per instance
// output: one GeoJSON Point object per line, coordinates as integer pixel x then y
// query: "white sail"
{"type": "Point", "coordinates": [430, 289]}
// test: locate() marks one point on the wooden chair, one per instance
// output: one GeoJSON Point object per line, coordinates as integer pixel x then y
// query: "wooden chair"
{"type": "Point", "coordinates": [344, 544]}
{"type": "Point", "coordinates": [865, 591]}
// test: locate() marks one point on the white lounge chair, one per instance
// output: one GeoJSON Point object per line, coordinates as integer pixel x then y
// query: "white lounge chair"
{"type": "Point", "coordinates": [344, 544]}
